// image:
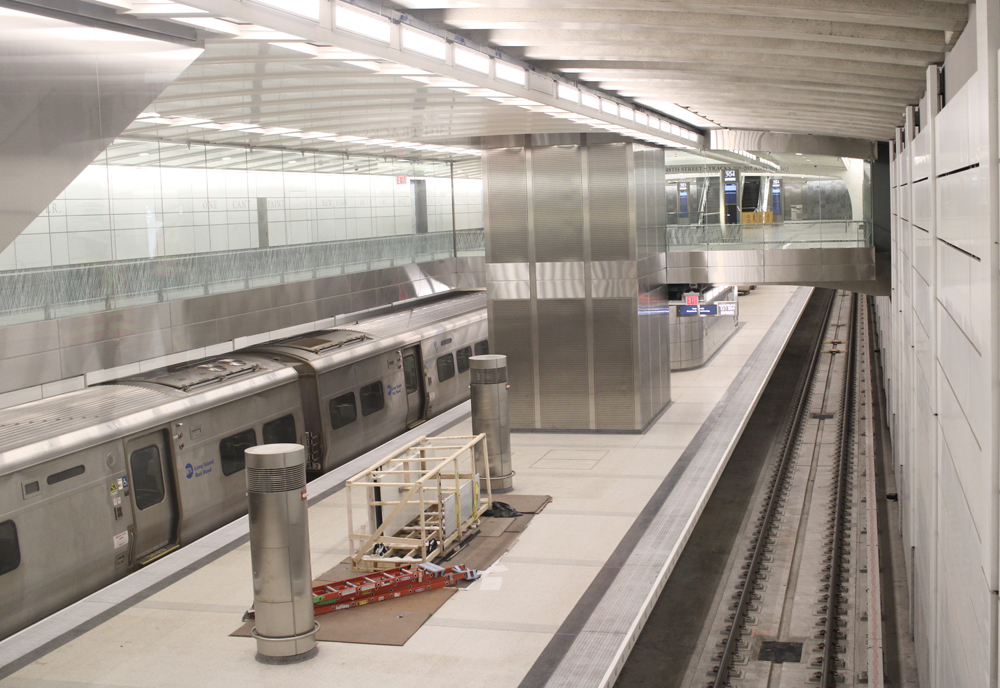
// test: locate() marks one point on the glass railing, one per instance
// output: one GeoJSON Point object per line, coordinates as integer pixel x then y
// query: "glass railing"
{"type": "Point", "coordinates": [789, 234]}
{"type": "Point", "coordinates": [42, 294]}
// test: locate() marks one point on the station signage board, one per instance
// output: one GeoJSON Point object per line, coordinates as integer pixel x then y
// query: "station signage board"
{"type": "Point", "coordinates": [721, 308]}
{"type": "Point", "coordinates": [701, 309]}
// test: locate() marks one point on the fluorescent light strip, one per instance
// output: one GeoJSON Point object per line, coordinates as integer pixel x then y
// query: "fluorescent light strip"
{"type": "Point", "coordinates": [609, 108]}
{"type": "Point", "coordinates": [304, 8]}
{"type": "Point", "coordinates": [363, 23]}
{"type": "Point", "coordinates": [472, 60]}
{"type": "Point", "coordinates": [510, 73]}
{"type": "Point", "coordinates": [568, 93]}
{"type": "Point", "coordinates": [591, 101]}
{"type": "Point", "coordinates": [423, 43]}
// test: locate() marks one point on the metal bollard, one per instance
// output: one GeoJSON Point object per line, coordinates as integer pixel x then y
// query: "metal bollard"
{"type": "Point", "coordinates": [489, 416]}
{"type": "Point", "coordinates": [285, 628]}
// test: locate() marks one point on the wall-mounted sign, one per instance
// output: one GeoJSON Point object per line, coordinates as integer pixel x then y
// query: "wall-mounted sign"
{"type": "Point", "coordinates": [727, 308]}
{"type": "Point", "coordinates": [703, 309]}
{"type": "Point", "coordinates": [691, 299]}
{"type": "Point", "coordinates": [401, 179]}
{"type": "Point", "coordinates": [729, 175]}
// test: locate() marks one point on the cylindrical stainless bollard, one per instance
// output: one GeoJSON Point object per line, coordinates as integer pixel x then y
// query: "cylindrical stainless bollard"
{"type": "Point", "coordinates": [489, 416]}
{"type": "Point", "coordinates": [285, 628]}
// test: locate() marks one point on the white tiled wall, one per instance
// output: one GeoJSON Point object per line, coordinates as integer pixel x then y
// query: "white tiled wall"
{"type": "Point", "coordinates": [124, 212]}
{"type": "Point", "coordinates": [941, 368]}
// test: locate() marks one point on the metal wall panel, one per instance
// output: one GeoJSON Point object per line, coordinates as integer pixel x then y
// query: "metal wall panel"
{"type": "Point", "coordinates": [608, 204]}
{"type": "Point", "coordinates": [614, 384]}
{"type": "Point", "coordinates": [564, 389]}
{"type": "Point", "coordinates": [591, 359]}
{"type": "Point", "coordinates": [510, 336]}
{"type": "Point", "coordinates": [557, 201]}
{"type": "Point", "coordinates": [505, 187]}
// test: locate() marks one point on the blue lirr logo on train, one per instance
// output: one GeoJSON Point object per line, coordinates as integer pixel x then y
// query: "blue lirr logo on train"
{"type": "Point", "coordinates": [394, 389]}
{"type": "Point", "coordinates": [189, 470]}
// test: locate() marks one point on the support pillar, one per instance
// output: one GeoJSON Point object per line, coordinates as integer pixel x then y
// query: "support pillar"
{"type": "Point", "coordinates": [574, 262]}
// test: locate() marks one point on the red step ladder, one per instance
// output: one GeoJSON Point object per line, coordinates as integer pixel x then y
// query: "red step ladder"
{"type": "Point", "coordinates": [385, 585]}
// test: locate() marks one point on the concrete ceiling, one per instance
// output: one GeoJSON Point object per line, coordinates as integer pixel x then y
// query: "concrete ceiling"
{"type": "Point", "coordinates": [832, 67]}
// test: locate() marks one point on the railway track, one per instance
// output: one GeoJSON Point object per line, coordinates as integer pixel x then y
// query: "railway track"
{"type": "Point", "coordinates": [790, 611]}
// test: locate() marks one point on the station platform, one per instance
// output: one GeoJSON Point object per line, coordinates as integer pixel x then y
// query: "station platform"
{"type": "Point", "coordinates": [562, 608]}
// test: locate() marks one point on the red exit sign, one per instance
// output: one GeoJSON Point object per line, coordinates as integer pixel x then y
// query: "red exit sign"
{"type": "Point", "coordinates": [401, 179]}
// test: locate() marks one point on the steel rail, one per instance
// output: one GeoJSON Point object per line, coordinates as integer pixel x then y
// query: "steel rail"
{"type": "Point", "coordinates": [828, 677]}
{"type": "Point", "coordinates": [761, 535]}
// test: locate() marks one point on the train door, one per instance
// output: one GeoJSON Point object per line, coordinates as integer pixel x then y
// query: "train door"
{"type": "Point", "coordinates": [413, 381]}
{"type": "Point", "coordinates": [154, 500]}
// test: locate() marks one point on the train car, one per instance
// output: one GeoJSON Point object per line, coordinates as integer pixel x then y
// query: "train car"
{"type": "Point", "coordinates": [96, 483]}
{"type": "Point", "coordinates": [365, 383]}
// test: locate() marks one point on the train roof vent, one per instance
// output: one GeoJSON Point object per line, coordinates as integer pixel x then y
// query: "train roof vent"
{"type": "Point", "coordinates": [318, 343]}
{"type": "Point", "coordinates": [187, 378]}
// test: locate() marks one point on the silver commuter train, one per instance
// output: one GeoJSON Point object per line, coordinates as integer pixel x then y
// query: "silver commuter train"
{"type": "Point", "coordinates": [96, 483]}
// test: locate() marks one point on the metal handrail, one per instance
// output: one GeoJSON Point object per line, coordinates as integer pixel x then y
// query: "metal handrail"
{"type": "Point", "coordinates": [775, 235]}
{"type": "Point", "coordinates": [45, 293]}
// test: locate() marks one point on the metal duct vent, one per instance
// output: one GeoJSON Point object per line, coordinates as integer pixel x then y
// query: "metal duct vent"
{"type": "Point", "coordinates": [489, 376]}
{"type": "Point", "coordinates": [268, 480]}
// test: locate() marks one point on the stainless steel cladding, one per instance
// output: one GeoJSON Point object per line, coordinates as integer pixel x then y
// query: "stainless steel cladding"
{"type": "Point", "coordinates": [490, 416]}
{"type": "Point", "coordinates": [284, 625]}
{"type": "Point", "coordinates": [99, 482]}
{"type": "Point", "coordinates": [573, 253]}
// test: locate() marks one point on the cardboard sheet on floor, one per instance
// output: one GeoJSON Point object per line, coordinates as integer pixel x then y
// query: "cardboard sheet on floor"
{"type": "Point", "coordinates": [392, 622]}
{"type": "Point", "coordinates": [526, 504]}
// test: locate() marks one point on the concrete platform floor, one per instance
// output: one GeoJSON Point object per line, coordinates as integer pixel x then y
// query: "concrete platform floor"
{"type": "Point", "coordinates": [172, 628]}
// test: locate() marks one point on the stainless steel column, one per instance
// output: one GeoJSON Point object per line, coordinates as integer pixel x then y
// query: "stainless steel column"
{"type": "Point", "coordinates": [279, 551]}
{"type": "Point", "coordinates": [489, 416]}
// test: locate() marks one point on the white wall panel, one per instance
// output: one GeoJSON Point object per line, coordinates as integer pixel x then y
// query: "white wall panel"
{"type": "Point", "coordinates": [954, 354]}
{"type": "Point", "coordinates": [963, 589]}
{"type": "Point", "coordinates": [952, 124]}
{"type": "Point", "coordinates": [963, 210]}
{"type": "Point", "coordinates": [923, 207]}
{"type": "Point", "coordinates": [921, 155]}
{"type": "Point", "coordinates": [954, 284]}
{"type": "Point", "coordinates": [969, 464]}
{"type": "Point", "coordinates": [923, 253]}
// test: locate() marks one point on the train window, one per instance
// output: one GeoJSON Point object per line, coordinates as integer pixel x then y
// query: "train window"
{"type": "Point", "coordinates": [147, 476]}
{"type": "Point", "coordinates": [10, 550]}
{"type": "Point", "coordinates": [280, 431]}
{"type": "Point", "coordinates": [231, 450]}
{"type": "Point", "coordinates": [446, 367]}
{"type": "Point", "coordinates": [343, 411]}
{"type": "Point", "coordinates": [482, 348]}
{"type": "Point", "coordinates": [30, 489]}
{"type": "Point", "coordinates": [65, 475]}
{"type": "Point", "coordinates": [371, 398]}
{"type": "Point", "coordinates": [410, 373]}
{"type": "Point", "coordinates": [463, 356]}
